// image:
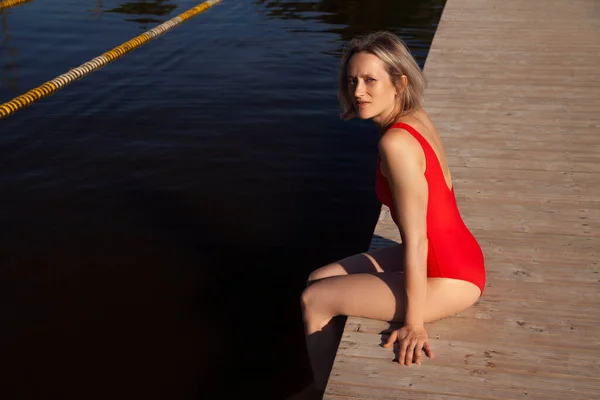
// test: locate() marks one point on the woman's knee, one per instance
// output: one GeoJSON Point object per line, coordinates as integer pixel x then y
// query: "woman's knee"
{"type": "Point", "coordinates": [314, 299]}
{"type": "Point", "coordinates": [316, 309]}
{"type": "Point", "coordinates": [308, 299]}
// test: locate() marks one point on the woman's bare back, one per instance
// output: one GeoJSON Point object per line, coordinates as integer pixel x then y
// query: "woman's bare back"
{"type": "Point", "coordinates": [424, 125]}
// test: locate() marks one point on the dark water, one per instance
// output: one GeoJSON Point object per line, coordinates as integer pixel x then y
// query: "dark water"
{"type": "Point", "coordinates": [158, 218]}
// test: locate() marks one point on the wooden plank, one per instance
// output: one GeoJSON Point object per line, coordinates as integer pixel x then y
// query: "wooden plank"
{"type": "Point", "coordinates": [506, 357]}
{"type": "Point", "coordinates": [532, 223]}
{"type": "Point", "coordinates": [522, 309]}
{"type": "Point", "coordinates": [488, 330]}
{"type": "Point", "coordinates": [513, 217]}
{"type": "Point", "coordinates": [532, 189]}
{"type": "Point", "coordinates": [460, 380]}
{"type": "Point", "coordinates": [476, 116]}
{"type": "Point", "coordinates": [558, 210]}
{"type": "Point", "coordinates": [462, 174]}
{"type": "Point", "coordinates": [541, 274]}
{"type": "Point", "coordinates": [533, 155]}
{"type": "Point", "coordinates": [521, 271]}
{"type": "Point", "coordinates": [541, 141]}
{"type": "Point", "coordinates": [343, 391]}
{"type": "Point", "coordinates": [507, 160]}
{"type": "Point", "coordinates": [567, 292]}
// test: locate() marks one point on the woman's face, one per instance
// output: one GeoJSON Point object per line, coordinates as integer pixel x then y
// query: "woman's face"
{"type": "Point", "coordinates": [370, 88]}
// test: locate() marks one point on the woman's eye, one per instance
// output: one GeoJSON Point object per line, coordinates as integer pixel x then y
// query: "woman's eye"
{"type": "Point", "coordinates": [370, 80]}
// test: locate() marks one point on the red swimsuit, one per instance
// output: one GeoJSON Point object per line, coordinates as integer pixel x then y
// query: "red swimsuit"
{"type": "Point", "coordinates": [453, 250]}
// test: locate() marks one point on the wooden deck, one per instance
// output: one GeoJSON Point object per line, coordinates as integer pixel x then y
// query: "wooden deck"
{"type": "Point", "coordinates": [514, 87]}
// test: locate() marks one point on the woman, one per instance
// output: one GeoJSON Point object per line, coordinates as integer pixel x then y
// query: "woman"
{"type": "Point", "coordinates": [438, 270]}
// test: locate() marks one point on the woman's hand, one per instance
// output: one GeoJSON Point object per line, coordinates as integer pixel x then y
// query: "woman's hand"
{"type": "Point", "coordinates": [411, 340]}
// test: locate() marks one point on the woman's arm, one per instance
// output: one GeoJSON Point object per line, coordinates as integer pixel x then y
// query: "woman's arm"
{"type": "Point", "coordinates": [403, 165]}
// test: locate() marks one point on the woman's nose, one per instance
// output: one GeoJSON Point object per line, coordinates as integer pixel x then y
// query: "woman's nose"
{"type": "Point", "coordinates": [359, 89]}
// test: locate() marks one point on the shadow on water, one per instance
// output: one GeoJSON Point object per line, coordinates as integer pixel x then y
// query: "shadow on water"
{"type": "Point", "coordinates": [135, 289]}
{"type": "Point", "coordinates": [156, 255]}
{"type": "Point", "coordinates": [145, 8]}
{"type": "Point", "coordinates": [355, 17]}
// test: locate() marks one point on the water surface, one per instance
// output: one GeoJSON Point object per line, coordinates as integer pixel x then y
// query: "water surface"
{"type": "Point", "coordinates": [159, 217]}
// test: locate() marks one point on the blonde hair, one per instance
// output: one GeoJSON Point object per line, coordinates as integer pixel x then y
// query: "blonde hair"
{"type": "Point", "coordinates": [398, 60]}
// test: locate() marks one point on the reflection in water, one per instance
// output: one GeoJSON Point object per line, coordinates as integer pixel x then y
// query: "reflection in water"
{"type": "Point", "coordinates": [9, 70]}
{"type": "Point", "coordinates": [98, 10]}
{"type": "Point", "coordinates": [145, 8]}
{"type": "Point", "coordinates": [415, 21]}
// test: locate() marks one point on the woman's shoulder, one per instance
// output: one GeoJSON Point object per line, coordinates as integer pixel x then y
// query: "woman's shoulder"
{"type": "Point", "coordinates": [399, 149]}
{"type": "Point", "coordinates": [397, 139]}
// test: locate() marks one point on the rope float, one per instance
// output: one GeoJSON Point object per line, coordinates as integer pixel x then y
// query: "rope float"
{"type": "Point", "coordinates": [11, 3]}
{"type": "Point", "coordinates": [63, 80]}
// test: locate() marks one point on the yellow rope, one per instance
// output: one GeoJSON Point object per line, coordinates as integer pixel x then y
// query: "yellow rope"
{"type": "Point", "coordinates": [63, 80]}
{"type": "Point", "coordinates": [11, 3]}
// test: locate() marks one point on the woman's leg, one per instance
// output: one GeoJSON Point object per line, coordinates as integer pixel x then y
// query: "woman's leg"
{"type": "Point", "coordinates": [392, 257]}
{"type": "Point", "coordinates": [371, 295]}
{"type": "Point", "coordinates": [322, 344]}
{"type": "Point", "coordinates": [371, 292]}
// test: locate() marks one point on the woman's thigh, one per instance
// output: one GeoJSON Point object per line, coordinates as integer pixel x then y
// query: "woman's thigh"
{"type": "Point", "coordinates": [382, 296]}
{"type": "Point", "coordinates": [385, 259]}
{"type": "Point", "coordinates": [377, 295]}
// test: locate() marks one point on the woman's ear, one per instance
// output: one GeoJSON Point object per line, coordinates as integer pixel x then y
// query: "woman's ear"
{"type": "Point", "coordinates": [402, 83]}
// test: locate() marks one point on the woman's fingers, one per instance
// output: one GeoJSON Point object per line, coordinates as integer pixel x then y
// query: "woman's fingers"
{"type": "Point", "coordinates": [428, 350]}
{"type": "Point", "coordinates": [402, 355]}
{"type": "Point", "coordinates": [391, 339]}
{"type": "Point", "coordinates": [418, 353]}
{"type": "Point", "coordinates": [410, 352]}
{"type": "Point", "coordinates": [407, 352]}
{"type": "Point", "coordinates": [410, 347]}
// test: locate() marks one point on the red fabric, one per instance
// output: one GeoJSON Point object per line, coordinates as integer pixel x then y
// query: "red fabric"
{"type": "Point", "coordinates": [453, 250]}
